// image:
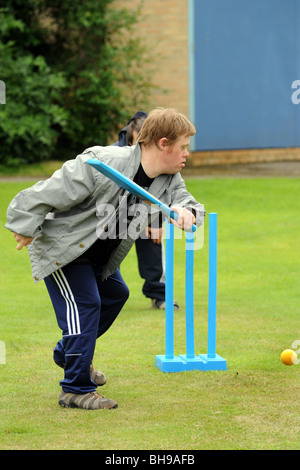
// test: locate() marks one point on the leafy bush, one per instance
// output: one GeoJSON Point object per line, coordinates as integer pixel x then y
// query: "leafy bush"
{"type": "Point", "coordinates": [29, 117]}
{"type": "Point", "coordinates": [74, 73]}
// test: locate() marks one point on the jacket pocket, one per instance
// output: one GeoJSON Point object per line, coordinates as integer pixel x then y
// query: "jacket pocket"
{"type": "Point", "coordinates": [52, 231]}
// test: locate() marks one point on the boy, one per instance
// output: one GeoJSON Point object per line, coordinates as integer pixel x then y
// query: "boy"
{"type": "Point", "coordinates": [76, 242]}
{"type": "Point", "coordinates": [149, 248]}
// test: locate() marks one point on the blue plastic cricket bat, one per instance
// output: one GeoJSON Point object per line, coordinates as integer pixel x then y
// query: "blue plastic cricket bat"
{"type": "Point", "coordinates": [126, 183]}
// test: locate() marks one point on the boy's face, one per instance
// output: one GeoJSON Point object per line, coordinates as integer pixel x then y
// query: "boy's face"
{"type": "Point", "coordinates": [176, 155]}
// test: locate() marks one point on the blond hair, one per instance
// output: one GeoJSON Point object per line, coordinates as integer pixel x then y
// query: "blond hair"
{"type": "Point", "coordinates": [165, 122]}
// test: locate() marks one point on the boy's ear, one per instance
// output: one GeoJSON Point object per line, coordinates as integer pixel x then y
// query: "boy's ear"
{"type": "Point", "coordinates": [162, 143]}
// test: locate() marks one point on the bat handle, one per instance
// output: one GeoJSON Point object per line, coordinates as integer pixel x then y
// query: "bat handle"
{"type": "Point", "coordinates": [174, 216]}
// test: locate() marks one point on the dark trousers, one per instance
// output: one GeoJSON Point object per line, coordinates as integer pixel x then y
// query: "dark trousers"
{"type": "Point", "coordinates": [150, 263]}
{"type": "Point", "coordinates": [85, 308]}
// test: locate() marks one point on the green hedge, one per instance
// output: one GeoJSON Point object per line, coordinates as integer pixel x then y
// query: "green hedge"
{"type": "Point", "coordinates": [74, 73]}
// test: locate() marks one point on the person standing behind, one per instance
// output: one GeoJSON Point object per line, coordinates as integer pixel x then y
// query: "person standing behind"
{"type": "Point", "coordinates": [149, 248]}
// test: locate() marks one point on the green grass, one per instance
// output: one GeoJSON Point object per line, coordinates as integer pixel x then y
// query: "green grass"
{"type": "Point", "coordinates": [252, 405]}
{"type": "Point", "coordinates": [34, 170]}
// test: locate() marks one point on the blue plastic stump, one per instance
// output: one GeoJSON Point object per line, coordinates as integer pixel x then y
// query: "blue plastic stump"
{"type": "Point", "coordinates": [188, 361]}
{"type": "Point", "coordinates": [212, 360]}
{"type": "Point", "coordinates": [168, 362]}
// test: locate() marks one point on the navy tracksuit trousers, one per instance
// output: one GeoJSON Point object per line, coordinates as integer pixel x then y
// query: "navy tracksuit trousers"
{"type": "Point", "coordinates": [85, 307]}
{"type": "Point", "coordinates": [150, 263]}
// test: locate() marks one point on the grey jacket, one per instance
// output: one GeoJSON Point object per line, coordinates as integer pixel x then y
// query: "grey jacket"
{"type": "Point", "coordinates": [67, 212]}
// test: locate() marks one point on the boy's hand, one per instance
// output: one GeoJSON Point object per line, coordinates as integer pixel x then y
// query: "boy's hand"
{"type": "Point", "coordinates": [22, 241]}
{"type": "Point", "coordinates": [185, 218]}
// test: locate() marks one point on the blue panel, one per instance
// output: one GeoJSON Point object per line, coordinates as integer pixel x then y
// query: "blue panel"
{"type": "Point", "coordinates": [246, 58]}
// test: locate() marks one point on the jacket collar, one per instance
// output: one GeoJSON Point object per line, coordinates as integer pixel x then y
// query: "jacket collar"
{"type": "Point", "coordinates": [159, 184]}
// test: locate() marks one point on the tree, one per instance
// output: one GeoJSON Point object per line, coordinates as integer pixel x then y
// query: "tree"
{"type": "Point", "coordinates": [74, 73]}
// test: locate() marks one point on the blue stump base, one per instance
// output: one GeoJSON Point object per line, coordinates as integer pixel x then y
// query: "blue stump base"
{"type": "Point", "coordinates": [183, 363]}
{"type": "Point", "coordinates": [193, 363]}
{"type": "Point", "coordinates": [169, 365]}
{"type": "Point", "coordinates": [214, 363]}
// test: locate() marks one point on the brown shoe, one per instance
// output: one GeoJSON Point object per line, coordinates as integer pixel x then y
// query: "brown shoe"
{"type": "Point", "coordinates": [87, 401]}
{"type": "Point", "coordinates": [97, 377]}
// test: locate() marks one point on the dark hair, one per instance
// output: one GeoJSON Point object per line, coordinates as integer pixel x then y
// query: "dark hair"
{"type": "Point", "coordinates": [134, 125]}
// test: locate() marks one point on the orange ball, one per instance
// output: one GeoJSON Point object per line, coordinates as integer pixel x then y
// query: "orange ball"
{"type": "Point", "coordinates": [288, 357]}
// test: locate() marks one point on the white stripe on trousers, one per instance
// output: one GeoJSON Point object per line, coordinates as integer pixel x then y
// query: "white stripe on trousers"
{"type": "Point", "coordinates": [71, 306]}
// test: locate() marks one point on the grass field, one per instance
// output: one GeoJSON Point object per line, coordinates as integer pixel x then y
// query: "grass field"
{"type": "Point", "coordinates": [253, 405]}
